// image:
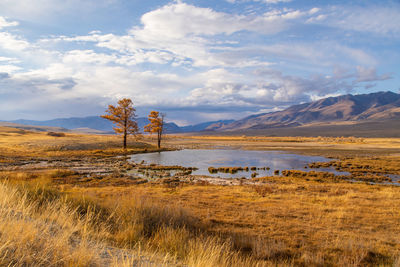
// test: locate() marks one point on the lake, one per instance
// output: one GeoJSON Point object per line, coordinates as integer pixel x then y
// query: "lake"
{"type": "Point", "coordinates": [203, 159]}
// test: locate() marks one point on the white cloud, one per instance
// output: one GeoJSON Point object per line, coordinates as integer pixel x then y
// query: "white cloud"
{"type": "Point", "coordinates": [196, 59]}
{"type": "Point", "coordinates": [261, 1]}
{"type": "Point", "coordinates": [318, 53]}
{"type": "Point", "coordinates": [274, 85]}
{"type": "Point", "coordinates": [9, 68]}
{"type": "Point", "coordinates": [9, 60]}
{"type": "Point", "coordinates": [4, 23]}
{"type": "Point", "coordinates": [39, 10]}
{"type": "Point", "coordinates": [12, 42]}
{"type": "Point", "coordinates": [319, 97]}
{"type": "Point", "coordinates": [314, 10]}
{"type": "Point", "coordinates": [382, 20]}
{"type": "Point", "coordinates": [274, 1]}
{"type": "Point", "coordinates": [179, 20]}
{"type": "Point", "coordinates": [87, 57]}
{"type": "Point", "coordinates": [183, 34]}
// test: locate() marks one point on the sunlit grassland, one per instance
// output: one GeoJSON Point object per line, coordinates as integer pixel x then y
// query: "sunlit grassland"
{"type": "Point", "coordinates": [326, 146]}
{"type": "Point", "coordinates": [302, 222]}
{"type": "Point", "coordinates": [287, 222]}
{"type": "Point", "coordinates": [284, 221]}
{"type": "Point", "coordinates": [42, 226]}
{"type": "Point", "coordinates": [20, 143]}
{"type": "Point", "coordinates": [16, 142]}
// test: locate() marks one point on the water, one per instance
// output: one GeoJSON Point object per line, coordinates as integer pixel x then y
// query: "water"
{"type": "Point", "coordinates": [395, 177]}
{"type": "Point", "coordinates": [203, 159]}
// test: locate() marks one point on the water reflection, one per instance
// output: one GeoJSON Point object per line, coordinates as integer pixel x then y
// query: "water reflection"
{"type": "Point", "coordinates": [203, 159]}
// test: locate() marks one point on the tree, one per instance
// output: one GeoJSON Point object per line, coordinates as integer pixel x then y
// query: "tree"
{"type": "Point", "coordinates": [124, 118]}
{"type": "Point", "coordinates": [156, 125]}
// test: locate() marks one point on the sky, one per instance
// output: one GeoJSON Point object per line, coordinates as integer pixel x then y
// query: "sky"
{"type": "Point", "coordinates": [195, 61]}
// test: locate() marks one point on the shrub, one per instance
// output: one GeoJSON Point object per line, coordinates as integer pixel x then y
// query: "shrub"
{"type": "Point", "coordinates": [55, 134]}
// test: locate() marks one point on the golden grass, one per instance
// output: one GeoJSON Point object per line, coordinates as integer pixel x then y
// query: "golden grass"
{"type": "Point", "coordinates": [21, 143]}
{"type": "Point", "coordinates": [326, 146]}
{"type": "Point", "coordinates": [43, 227]}
{"type": "Point", "coordinates": [287, 222]}
{"type": "Point", "coordinates": [18, 144]}
{"type": "Point", "coordinates": [53, 236]}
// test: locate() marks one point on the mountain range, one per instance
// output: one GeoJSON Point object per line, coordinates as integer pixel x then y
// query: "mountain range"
{"type": "Point", "coordinates": [346, 108]}
{"type": "Point", "coordinates": [96, 124]}
{"type": "Point", "coordinates": [374, 114]}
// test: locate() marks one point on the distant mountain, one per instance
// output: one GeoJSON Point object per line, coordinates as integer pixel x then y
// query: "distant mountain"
{"type": "Point", "coordinates": [205, 126]}
{"type": "Point", "coordinates": [91, 124]}
{"type": "Point", "coordinates": [32, 127]}
{"type": "Point", "coordinates": [96, 124]}
{"type": "Point", "coordinates": [169, 127]}
{"type": "Point", "coordinates": [379, 106]}
{"type": "Point", "coordinates": [375, 114]}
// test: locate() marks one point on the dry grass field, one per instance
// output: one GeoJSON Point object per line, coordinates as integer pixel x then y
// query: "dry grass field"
{"type": "Point", "coordinates": [57, 217]}
{"type": "Point", "coordinates": [326, 146]}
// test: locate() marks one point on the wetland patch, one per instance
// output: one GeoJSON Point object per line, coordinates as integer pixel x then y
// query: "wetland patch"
{"type": "Point", "coordinates": [235, 163]}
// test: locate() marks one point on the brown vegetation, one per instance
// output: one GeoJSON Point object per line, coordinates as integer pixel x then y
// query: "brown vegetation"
{"type": "Point", "coordinates": [124, 117]}
{"type": "Point", "coordinates": [64, 216]}
{"type": "Point", "coordinates": [55, 134]}
{"type": "Point", "coordinates": [156, 125]}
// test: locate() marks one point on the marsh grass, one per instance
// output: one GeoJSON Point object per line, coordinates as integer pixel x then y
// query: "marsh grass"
{"type": "Point", "coordinates": [288, 221]}
{"type": "Point", "coordinates": [42, 226]}
{"type": "Point", "coordinates": [43, 234]}
{"type": "Point", "coordinates": [319, 224]}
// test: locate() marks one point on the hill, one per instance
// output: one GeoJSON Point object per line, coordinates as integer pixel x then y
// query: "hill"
{"type": "Point", "coordinates": [205, 126]}
{"type": "Point", "coordinates": [34, 128]}
{"type": "Point", "coordinates": [96, 124]}
{"type": "Point", "coordinates": [369, 115]}
{"type": "Point", "coordinates": [362, 112]}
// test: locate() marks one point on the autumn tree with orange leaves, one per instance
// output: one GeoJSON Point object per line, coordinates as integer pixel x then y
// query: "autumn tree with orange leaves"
{"type": "Point", "coordinates": [124, 118]}
{"type": "Point", "coordinates": [156, 125]}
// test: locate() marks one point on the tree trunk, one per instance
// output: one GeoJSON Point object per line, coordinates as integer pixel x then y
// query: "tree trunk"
{"type": "Point", "coordinates": [160, 131]}
{"type": "Point", "coordinates": [125, 128]}
{"type": "Point", "coordinates": [124, 140]}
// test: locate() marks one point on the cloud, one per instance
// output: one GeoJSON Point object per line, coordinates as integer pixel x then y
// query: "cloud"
{"type": "Point", "coordinates": [183, 34]}
{"type": "Point", "coordinates": [9, 41]}
{"type": "Point", "coordinates": [87, 57]}
{"type": "Point", "coordinates": [4, 75]}
{"type": "Point", "coordinates": [179, 20]}
{"type": "Point", "coordinates": [9, 68]}
{"type": "Point", "coordinates": [318, 53]}
{"type": "Point", "coordinates": [184, 60]}
{"type": "Point", "coordinates": [12, 42]}
{"type": "Point", "coordinates": [289, 89]}
{"type": "Point", "coordinates": [4, 23]}
{"type": "Point", "coordinates": [272, 89]}
{"type": "Point", "coordinates": [260, 1]}
{"type": "Point", "coordinates": [9, 60]}
{"type": "Point", "coordinates": [40, 10]}
{"type": "Point", "coordinates": [369, 75]}
{"type": "Point", "coordinates": [273, 1]}
{"type": "Point", "coordinates": [381, 20]}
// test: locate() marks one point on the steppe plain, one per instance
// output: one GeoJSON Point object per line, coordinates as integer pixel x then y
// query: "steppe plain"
{"type": "Point", "coordinates": [70, 200]}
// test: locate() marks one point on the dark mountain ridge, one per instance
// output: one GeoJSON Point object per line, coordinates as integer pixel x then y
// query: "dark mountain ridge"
{"type": "Point", "coordinates": [364, 107]}
{"type": "Point", "coordinates": [375, 113]}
